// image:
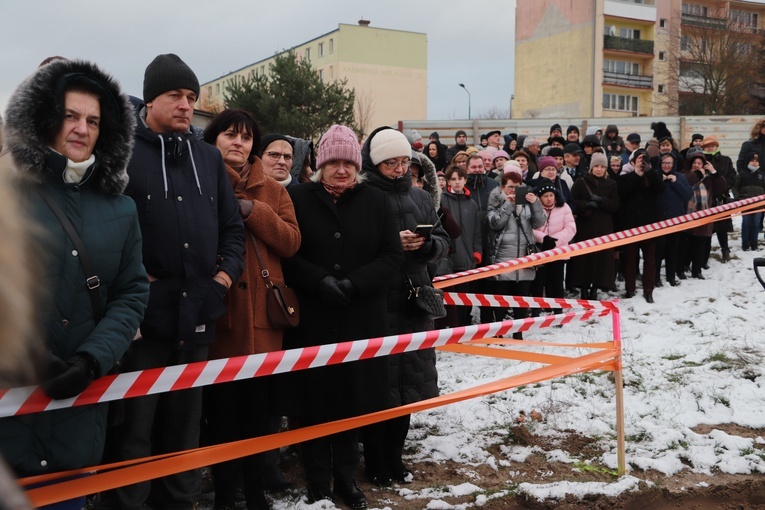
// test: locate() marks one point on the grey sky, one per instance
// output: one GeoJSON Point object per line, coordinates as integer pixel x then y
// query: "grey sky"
{"type": "Point", "coordinates": [468, 42]}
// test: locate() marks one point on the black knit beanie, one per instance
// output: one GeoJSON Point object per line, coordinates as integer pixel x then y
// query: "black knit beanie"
{"type": "Point", "coordinates": [168, 72]}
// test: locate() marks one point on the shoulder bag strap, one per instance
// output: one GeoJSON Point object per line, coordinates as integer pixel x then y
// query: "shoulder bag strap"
{"type": "Point", "coordinates": [263, 269]}
{"type": "Point", "coordinates": [92, 282]}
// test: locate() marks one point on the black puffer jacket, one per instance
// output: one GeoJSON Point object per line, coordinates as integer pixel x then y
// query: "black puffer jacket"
{"type": "Point", "coordinates": [413, 375]}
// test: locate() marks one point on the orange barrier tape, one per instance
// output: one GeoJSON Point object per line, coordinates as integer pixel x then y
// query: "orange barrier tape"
{"type": "Point", "coordinates": [193, 459]}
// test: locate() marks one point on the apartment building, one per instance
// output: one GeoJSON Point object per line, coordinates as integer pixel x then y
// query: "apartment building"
{"type": "Point", "coordinates": [616, 58]}
{"type": "Point", "coordinates": [387, 68]}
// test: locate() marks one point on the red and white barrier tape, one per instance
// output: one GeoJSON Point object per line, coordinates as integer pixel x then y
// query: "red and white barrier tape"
{"type": "Point", "coordinates": [26, 400]}
{"type": "Point", "coordinates": [494, 300]}
{"type": "Point", "coordinates": [596, 241]}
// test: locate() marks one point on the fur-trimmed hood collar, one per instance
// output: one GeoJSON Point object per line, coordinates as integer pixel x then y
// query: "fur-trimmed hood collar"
{"type": "Point", "coordinates": [404, 183]}
{"type": "Point", "coordinates": [34, 111]}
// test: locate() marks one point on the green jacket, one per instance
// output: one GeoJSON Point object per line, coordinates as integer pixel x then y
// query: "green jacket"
{"type": "Point", "coordinates": [107, 221]}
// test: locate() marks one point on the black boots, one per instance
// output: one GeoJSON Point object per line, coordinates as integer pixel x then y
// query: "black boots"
{"type": "Point", "coordinates": [350, 494]}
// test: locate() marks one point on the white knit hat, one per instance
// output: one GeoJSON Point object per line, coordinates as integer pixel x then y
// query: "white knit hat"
{"type": "Point", "coordinates": [388, 144]}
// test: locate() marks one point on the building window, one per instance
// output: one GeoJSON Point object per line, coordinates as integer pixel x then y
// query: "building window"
{"type": "Point", "coordinates": [629, 33]}
{"type": "Point", "coordinates": [308, 54]}
{"type": "Point", "coordinates": [331, 72]}
{"type": "Point", "coordinates": [321, 49]}
{"type": "Point", "coordinates": [694, 10]}
{"type": "Point", "coordinates": [744, 18]}
{"type": "Point", "coordinates": [321, 74]}
{"type": "Point", "coordinates": [262, 70]}
{"type": "Point", "coordinates": [621, 67]}
{"type": "Point", "coordinates": [663, 23]}
{"type": "Point", "coordinates": [217, 88]}
{"type": "Point", "coordinates": [660, 89]}
{"type": "Point", "coordinates": [620, 102]}
{"type": "Point", "coordinates": [684, 42]}
{"type": "Point", "coordinates": [662, 56]}
{"type": "Point", "coordinates": [331, 46]}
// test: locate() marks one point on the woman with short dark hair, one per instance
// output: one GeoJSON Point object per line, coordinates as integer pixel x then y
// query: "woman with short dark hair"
{"type": "Point", "coordinates": [240, 409]}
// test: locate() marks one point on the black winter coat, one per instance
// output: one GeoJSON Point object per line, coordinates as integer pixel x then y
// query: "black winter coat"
{"type": "Point", "coordinates": [355, 238]}
{"type": "Point", "coordinates": [413, 374]}
{"type": "Point", "coordinates": [190, 231]}
{"type": "Point", "coordinates": [639, 199]}
{"type": "Point", "coordinates": [465, 213]}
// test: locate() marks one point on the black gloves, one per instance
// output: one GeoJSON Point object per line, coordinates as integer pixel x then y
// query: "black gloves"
{"type": "Point", "coordinates": [548, 243]}
{"type": "Point", "coordinates": [592, 205]}
{"type": "Point", "coordinates": [69, 379]}
{"type": "Point", "coordinates": [347, 287]}
{"type": "Point", "coordinates": [330, 291]}
{"type": "Point", "coordinates": [596, 198]}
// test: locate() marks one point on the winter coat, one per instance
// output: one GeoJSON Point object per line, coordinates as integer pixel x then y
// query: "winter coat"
{"type": "Point", "coordinates": [245, 329]}
{"type": "Point", "coordinates": [559, 224]}
{"type": "Point", "coordinates": [753, 145]}
{"type": "Point", "coordinates": [724, 167]}
{"type": "Point", "coordinates": [715, 186]}
{"type": "Point", "coordinates": [191, 229]}
{"type": "Point", "coordinates": [480, 187]}
{"type": "Point", "coordinates": [355, 238]}
{"type": "Point", "coordinates": [673, 201]}
{"type": "Point", "coordinates": [108, 225]}
{"type": "Point", "coordinates": [452, 151]}
{"type": "Point", "coordinates": [749, 184]}
{"type": "Point", "coordinates": [639, 199]}
{"type": "Point", "coordinates": [596, 268]}
{"type": "Point", "coordinates": [413, 374]}
{"type": "Point", "coordinates": [465, 212]}
{"type": "Point", "coordinates": [512, 229]}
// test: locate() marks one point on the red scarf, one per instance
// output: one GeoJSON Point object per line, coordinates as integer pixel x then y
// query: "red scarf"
{"type": "Point", "coordinates": [337, 190]}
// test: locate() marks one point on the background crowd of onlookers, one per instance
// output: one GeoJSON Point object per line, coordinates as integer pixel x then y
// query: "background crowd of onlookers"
{"type": "Point", "coordinates": [157, 243]}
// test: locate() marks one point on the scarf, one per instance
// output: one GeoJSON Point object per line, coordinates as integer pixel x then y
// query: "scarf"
{"type": "Point", "coordinates": [336, 191]}
{"type": "Point", "coordinates": [74, 172]}
{"type": "Point", "coordinates": [700, 199]}
{"type": "Point", "coordinates": [244, 175]}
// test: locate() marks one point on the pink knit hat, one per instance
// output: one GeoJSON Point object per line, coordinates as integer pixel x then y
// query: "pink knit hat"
{"type": "Point", "coordinates": [339, 143]}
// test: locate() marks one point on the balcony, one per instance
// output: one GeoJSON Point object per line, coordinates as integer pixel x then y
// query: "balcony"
{"type": "Point", "coordinates": [628, 80]}
{"type": "Point", "coordinates": [612, 42]}
{"type": "Point", "coordinates": [704, 21]}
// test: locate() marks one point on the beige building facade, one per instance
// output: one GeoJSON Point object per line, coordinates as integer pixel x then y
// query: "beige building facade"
{"type": "Point", "coordinates": [388, 69]}
{"type": "Point", "coordinates": [608, 58]}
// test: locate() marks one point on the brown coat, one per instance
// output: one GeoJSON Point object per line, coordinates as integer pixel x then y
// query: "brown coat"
{"type": "Point", "coordinates": [245, 328]}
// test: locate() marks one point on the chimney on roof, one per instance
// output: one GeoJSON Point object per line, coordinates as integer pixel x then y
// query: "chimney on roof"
{"type": "Point", "coordinates": [364, 22]}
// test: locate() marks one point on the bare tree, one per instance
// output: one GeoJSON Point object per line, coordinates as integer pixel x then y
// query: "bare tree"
{"type": "Point", "coordinates": [365, 107]}
{"type": "Point", "coordinates": [713, 67]}
{"type": "Point", "coordinates": [493, 113]}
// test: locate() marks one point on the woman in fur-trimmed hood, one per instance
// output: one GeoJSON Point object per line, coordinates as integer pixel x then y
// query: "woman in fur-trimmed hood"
{"type": "Point", "coordinates": [69, 133]}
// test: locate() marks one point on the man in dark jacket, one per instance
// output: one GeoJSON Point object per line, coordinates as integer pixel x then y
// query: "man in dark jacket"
{"type": "Point", "coordinates": [193, 246]}
{"type": "Point", "coordinates": [638, 193]}
{"type": "Point", "coordinates": [460, 139]}
{"type": "Point", "coordinates": [69, 135]}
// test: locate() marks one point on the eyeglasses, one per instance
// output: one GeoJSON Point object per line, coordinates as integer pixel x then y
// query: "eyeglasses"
{"type": "Point", "coordinates": [392, 164]}
{"type": "Point", "coordinates": [276, 156]}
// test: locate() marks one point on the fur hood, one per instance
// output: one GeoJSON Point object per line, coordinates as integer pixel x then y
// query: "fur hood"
{"type": "Point", "coordinates": [34, 112]}
{"type": "Point", "coordinates": [429, 177]}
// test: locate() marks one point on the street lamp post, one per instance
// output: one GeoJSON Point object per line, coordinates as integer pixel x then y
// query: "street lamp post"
{"type": "Point", "coordinates": [468, 93]}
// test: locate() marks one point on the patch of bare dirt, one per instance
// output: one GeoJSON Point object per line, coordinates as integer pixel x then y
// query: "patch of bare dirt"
{"type": "Point", "coordinates": [685, 490]}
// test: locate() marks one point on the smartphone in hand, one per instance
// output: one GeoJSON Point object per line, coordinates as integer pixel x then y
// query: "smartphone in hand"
{"type": "Point", "coordinates": [520, 195]}
{"type": "Point", "coordinates": [423, 230]}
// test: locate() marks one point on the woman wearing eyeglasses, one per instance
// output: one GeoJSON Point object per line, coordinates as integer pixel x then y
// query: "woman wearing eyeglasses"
{"type": "Point", "coordinates": [276, 152]}
{"type": "Point", "coordinates": [386, 157]}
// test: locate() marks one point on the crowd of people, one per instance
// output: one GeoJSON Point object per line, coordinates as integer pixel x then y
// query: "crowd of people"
{"type": "Point", "coordinates": [597, 184]}
{"type": "Point", "coordinates": [159, 244]}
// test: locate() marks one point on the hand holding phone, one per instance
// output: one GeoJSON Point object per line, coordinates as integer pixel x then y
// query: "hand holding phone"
{"type": "Point", "coordinates": [423, 230]}
{"type": "Point", "coordinates": [520, 195]}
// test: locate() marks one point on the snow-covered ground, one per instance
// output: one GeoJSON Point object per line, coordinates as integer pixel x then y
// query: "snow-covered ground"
{"type": "Point", "coordinates": [693, 357]}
